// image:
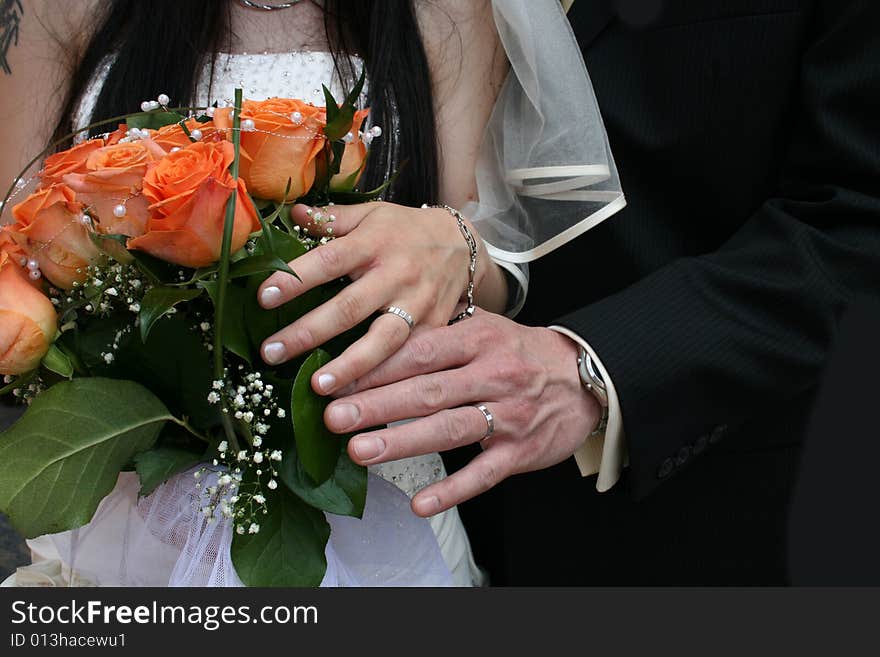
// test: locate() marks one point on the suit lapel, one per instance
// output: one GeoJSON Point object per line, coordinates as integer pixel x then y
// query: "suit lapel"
{"type": "Point", "coordinates": [589, 18]}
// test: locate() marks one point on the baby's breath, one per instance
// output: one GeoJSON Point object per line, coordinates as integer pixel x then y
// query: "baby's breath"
{"type": "Point", "coordinates": [243, 475]}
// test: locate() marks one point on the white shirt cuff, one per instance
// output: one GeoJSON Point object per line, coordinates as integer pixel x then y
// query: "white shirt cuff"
{"type": "Point", "coordinates": [605, 453]}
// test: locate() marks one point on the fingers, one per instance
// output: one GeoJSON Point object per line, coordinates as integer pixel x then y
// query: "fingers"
{"type": "Point", "coordinates": [428, 350]}
{"type": "Point", "coordinates": [350, 307]}
{"type": "Point", "coordinates": [416, 397]}
{"type": "Point", "coordinates": [439, 432]}
{"type": "Point", "coordinates": [386, 335]}
{"type": "Point", "coordinates": [484, 472]}
{"type": "Point", "coordinates": [322, 264]}
{"type": "Point", "coordinates": [332, 219]}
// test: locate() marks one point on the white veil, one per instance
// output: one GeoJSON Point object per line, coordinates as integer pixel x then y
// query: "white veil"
{"type": "Point", "coordinates": [545, 174]}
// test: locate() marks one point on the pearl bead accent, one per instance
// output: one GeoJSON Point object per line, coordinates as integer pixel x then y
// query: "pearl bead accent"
{"type": "Point", "coordinates": [376, 131]}
{"type": "Point", "coordinates": [145, 106]}
{"type": "Point", "coordinates": [32, 264]}
{"type": "Point", "coordinates": [175, 149]}
{"type": "Point", "coordinates": [196, 134]}
{"type": "Point", "coordinates": [85, 219]}
{"type": "Point", "coordinates": [297, 118]}
{"type": "Point", "coordinates": [119, 210]}
{"type": "Point", "coordinates": [348, 138]}
{"type": "Point", "coordinates": [34, 274]}
{"type": "Point", "coordinates": [248, 125]}
{"type": "Point", "coordinates": [163, 99]}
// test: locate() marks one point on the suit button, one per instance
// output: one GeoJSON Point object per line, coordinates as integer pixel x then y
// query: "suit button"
{"type": "Point", "coordinates": [683, 455]}
{"type": "Point", "coordinates": [700, 445]}
{"type": "Point", "coordinates": [717, 433]}
{"type": "Point", "coordinates": [665, 469]}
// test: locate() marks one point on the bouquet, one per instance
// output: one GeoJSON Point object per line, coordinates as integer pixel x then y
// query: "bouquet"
{"type": "Point", "coordinates": [130, 327]}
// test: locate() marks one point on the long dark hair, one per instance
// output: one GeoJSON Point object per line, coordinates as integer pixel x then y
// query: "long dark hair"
{"type": "Point", "coordinates": [163, 45]}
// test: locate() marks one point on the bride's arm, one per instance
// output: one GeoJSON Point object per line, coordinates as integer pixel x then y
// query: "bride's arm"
{"type": "Point", "coordinates": [35, 84]}
{"type": "Point", "coordinates": [468, 66]}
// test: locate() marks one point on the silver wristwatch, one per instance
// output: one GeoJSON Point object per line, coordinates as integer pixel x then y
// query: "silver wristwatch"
{"type": "Point", "coordinates": [592, 381]}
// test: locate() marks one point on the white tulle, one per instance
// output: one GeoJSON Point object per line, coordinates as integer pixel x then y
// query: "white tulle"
{"type": "Point", "coordinates": [545, 173]}
{"type": "Point", "coordinates": [164, 540]}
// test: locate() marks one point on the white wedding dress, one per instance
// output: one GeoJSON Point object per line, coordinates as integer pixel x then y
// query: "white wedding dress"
{"type": "Point", "coordinates": [162, 540]}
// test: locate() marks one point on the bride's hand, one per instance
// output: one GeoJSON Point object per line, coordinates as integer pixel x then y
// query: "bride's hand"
{"type": "Point", "coordinates": [414, 259]}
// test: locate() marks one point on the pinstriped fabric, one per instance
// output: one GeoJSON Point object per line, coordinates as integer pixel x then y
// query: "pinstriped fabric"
{"type": "Point", "coordinates": [749, 146]}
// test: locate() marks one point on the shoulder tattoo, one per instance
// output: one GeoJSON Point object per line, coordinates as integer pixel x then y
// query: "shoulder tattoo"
{"type": "Point", "coordinates": [10, 19]}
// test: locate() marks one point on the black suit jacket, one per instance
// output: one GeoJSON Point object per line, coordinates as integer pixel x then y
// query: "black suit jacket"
{"type": "Point", "coordinates": [747, 136]}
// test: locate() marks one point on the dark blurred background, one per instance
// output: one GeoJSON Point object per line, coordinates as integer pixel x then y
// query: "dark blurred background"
{"type": "Point", "coordinates": [13, 552]}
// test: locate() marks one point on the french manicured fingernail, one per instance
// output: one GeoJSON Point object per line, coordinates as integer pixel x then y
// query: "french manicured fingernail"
{"type": "Point", "coordinates": [270, 297]}
{"type": "Point", "coordinates": [428, 505]}
{"type": "Point", "coordinates": [326, 382]}
{"type": "Point", "coordinates": [368, 448]}
{"type": "Point", "coordinates": [342, 416]}
{"type": "Point", "coordinates": [273, 353]}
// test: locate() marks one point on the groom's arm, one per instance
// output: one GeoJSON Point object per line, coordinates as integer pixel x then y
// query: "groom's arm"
{"type": "Point", "coordinates": [710, 341]}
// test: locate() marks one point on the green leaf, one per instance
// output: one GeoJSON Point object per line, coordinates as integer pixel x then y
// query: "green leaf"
{"type": "Point", "coordinates": [340, 119]}
{"type": "Point", "coordinates": [352, 97]}
{"type": "Point", "coordinates": [157, 302]}
{"type": "Point", "coordinates": [348, 183]}
{"type": "Point", "coordinates": [337, 127]}
{"type": "Point", "coordinates": [63, 456]}
{"type": "Point", "coordinates": [156, 466]}
{"type": "Point", "coordinates": [153, 120]}
{"type": "Point", "coordinates": [344, 493]}
{"type": "Point", "coordinates": [284, 245]}
{"type": "Point", "coordinates": [235, 333]}
{"type": "Point", "coordinates": [259, 264]}
{"type": "Point", "coordinates": [330, 104]}
{"type": "Point", "coordinates": [289, 548]}
{"type": "Point", "coordinates": [353, 198]}
{"type": "Point", "coordinates": [57, 361]}
{"type": "Point", "coordinates": [113, 246]}
{"type": "Point", "coordinates": [266, 222]}
{"type": "Point", "coordinates": [173, 363]}
{"type": "Point", "coordinates": [317, 447]}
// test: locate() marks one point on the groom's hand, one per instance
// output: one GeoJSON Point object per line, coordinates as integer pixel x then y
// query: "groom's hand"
{"type": "Point", "coordinates": [526, 377]}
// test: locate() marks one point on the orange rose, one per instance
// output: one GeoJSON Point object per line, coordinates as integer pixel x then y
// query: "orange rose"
{"type": "Point", "coordinates": [27, 320]}
{"type": "Point", "coordinates": [72, 160]}
{"type": "Point", "coordinates": [48, 227]}
{"type": "Point", "coordinates": [277, 149]}
{"type": "Point", "coordinates": [188, 191]}
{"type": "Point", "coordinates": [114, 176]}
{"type": "Point", "coordinates": [353, 158]}
{"type": "Point", "coordinates": [10, 246]}
{"type": "Point", "coordinates": [173, 136]}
